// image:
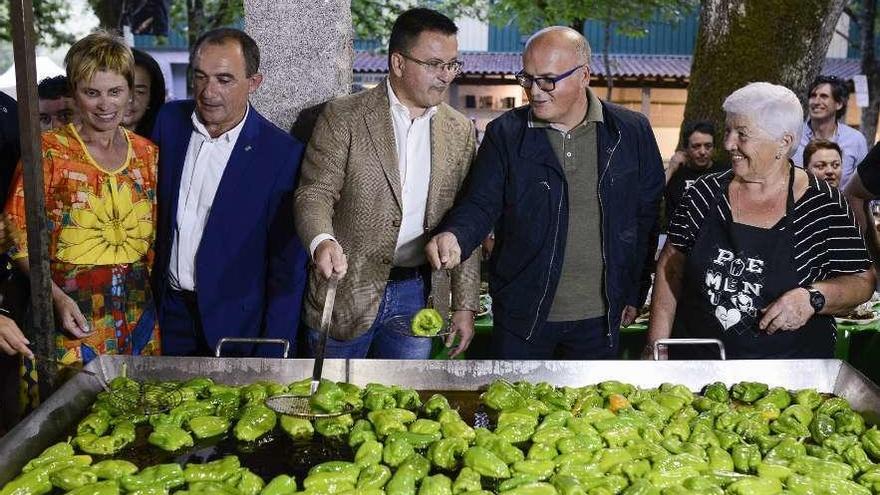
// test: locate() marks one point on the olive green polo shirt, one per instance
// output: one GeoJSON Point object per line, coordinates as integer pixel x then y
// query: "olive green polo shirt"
{"type": "Point", "coordinates": [581, 284]}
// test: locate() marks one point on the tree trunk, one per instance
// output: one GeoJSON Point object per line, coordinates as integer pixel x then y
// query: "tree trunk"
{"type": "Point", "coordinates": [869, 68]}
{"type": "Point", "coordinates": [107, 12]}
{"type": "Point", "coordinates": [741, 41]}
{"type": "Point", "coordinates": [606, 60]}
{"type": "Point", "coordinates": [195, 12]}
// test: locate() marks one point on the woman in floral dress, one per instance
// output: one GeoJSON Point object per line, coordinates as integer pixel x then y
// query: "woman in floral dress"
{"type": "Point", "coordinates": [100, 182]}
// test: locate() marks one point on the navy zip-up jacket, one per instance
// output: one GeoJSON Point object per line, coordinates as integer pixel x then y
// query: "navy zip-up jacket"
{"type": "Point", "coordinates": [517, 186]}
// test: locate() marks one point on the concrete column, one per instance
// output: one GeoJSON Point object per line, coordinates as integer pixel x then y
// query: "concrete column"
{"type": "Point", "coordinates": [306, 54]}
{"type": "Point", "coordinates": [646, 101]}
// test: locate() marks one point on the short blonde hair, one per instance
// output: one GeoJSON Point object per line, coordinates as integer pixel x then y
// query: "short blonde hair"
{"type": "Point", "coordinates": [99, 51]}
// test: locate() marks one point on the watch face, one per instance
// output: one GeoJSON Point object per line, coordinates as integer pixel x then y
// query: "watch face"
{"type": "Point", "coordinates": [817, 300]}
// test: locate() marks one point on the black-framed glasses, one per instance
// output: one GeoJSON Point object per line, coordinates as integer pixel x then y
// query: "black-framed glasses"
{"type": "Point", "coordinates": [545, 83]}
{"type": "Point", "coordinates": [437, 66]}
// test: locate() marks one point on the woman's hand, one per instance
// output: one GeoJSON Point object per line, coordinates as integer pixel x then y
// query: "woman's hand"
{"type": "Point", "coordinates": [12, 341]}
{"type": "Point", "coordinates": [788, 312]}
{"type": "Point", "coordinates": [68, 314]}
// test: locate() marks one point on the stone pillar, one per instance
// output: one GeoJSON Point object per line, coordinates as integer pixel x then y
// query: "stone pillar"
{"type": "Point", "coordinates": [306, 54]}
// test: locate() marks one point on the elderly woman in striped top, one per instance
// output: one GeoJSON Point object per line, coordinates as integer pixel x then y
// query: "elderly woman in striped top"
{"type": "Point", "coordinates": [760, 256]}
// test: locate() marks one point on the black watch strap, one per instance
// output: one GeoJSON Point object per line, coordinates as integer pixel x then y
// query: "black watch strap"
{"type": "Point", "coordinates": [817, 299]}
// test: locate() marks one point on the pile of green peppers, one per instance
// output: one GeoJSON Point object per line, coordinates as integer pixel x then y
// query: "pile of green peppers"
{"type": "Point", "coordinates": [607, 438]}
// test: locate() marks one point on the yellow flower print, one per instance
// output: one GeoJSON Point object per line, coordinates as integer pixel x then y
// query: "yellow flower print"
{"type": "Point", "coordinates": [109, 231]}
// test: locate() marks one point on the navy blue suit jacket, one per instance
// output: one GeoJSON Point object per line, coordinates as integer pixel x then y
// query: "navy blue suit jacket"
{"type": "Point", "coordinates": [250, 266]}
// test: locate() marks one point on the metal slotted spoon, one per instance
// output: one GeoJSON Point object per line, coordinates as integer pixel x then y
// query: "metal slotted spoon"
{"type": "Point", "coordinates": [140, 399]}
{"type": "Point", "coordinates": [300, 405]}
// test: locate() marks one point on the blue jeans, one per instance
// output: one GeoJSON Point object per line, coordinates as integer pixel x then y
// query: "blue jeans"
{"type": "Point", "coordinates": [582, 339]}
{"type": "Point", "coordinates": [381, 341]}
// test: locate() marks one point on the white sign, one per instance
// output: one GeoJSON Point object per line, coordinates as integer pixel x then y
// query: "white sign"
{"type": "Point", "coordinates": [861, 83]}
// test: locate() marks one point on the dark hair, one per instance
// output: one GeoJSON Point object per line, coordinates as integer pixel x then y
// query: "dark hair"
{"type": "Point", "coordinates": [839, 91]}
{"type": "Point", "coordinates": [220, 36]}
{"type": "Point", "coordinates": [52, 88]}
{"type": "Point", "coordinates": [157, 91]}
{"type": "Point", "coordinates": [410, 24]}
{"type": "Point", "coordinates": [701, 126]}
{"type": "Point", "coordinates": [819, 144]}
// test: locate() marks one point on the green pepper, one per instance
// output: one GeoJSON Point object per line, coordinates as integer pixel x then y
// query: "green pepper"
{"type": "Point", "coordinates": [702, 434]}
{"type": "Point", "coordinates": [208, 488]}
{"type": "Point", "coordinates": [790, 426]}
{"type": "Point", "coordinates": [113, 469]}
{"type": "Point", "coordinates": [580, 442]}
{"type": "Point", "coordinates": [551, 434]}
{"type": "Point", "coordinates": [777, 396]}
{"type": "Point", "coordinates": [192, 409]}
{"type": "Point", "coordinates": [457, 428]}
{"type": "Point", "coordinates": [329, 482]}
{"type": "Point", "coordinates": [719, 459]}
{"type": "Point", "coordinates": [107, 487]}
{"type": "Point", "coordinates": [849, 422]}
{"type": "Point", "coordinates": [152, 490]}
{"type": "Point", "coordinates": [328, 398]}
{"type": "Point", "coordinates": [748, 392]}
{"type": "Point", "coordinates": [755, 486]}
{"type": "Point", "coordinates": [418, 464]}
{"type": "Point", "coordinates": [436, 485]}
{"type": "Point", "coordinates": [539, 469]}
{"type": "Point", "coordinates": [96, 423]}
{"type": "Point", "coordinates": [424, 426]}
{"type": "Point", "coordinates": [217, 389]}
{"type": "Point", "coordinates": [436, 404]}
{"type": "Point", "coordinates": [249, 483]}
{"type": "Point", "coordinates": [486, 463]}
{"type": "Point", "coordinates": [254, 392]}
{"type": "Point", "coordinates": [635, 469]}
{"type": "Point", "coordinates": [427, 322]}
{"type": "Point", "coordinates": [350, 469]}
{"type": "Point", "coordinates": [839, 443]}
{"type": "Point", "coordinates": [746, 458]}
{"type": "Point", "coordinates": [73, 477]}
{"type": "Point", "coordinates": [640, 487]}
{"type": "Point", "coordinates": [516, 480]}
{"type": "Point", "coordinates": [820, 468]}
{"type": "Point", "coordinates": [208, 426]}
{"type": "Point", "coordinates": [808, 397]}
{"type": "Point", "coordinates": [857, 458]}
{"type": "Point", "coordinates": [871, 479]}
{"type": "Point", "coordinates": [419, 441]}
{"type": "Point", "coordinates": [823, 453]}
{"type": "Point", "coordinates": [775, 471]}
{"type": "Point", "coordinates": [280, 485]}
{"type": "Point", "coordinates": [787, 449]}
{"type": "Point", "coordinates": [446, 453]}
{"type": "Point", "coordinates": [805, 485]}
{"type": "Point", "coordinates": [387, 420]}
{"type": "Point", "coordinates": [297, 428]}
{"type": "Point", "coordinates": [369, 453]}
{"type": "Point", "coordinates": [361, 431]}
{"type": "Point", "coordinates": [219, 470]}
{"type": "Point", "coordinates": [502, 396]}
{"type": "Point", "coordinates": [467, 480]}
{"type": "Point", "coordinates": [123, 434]}
{"type": "Point", "coordinates": [402, 483]}
{"type": "Point", "coordinates": [821, 427]}
{"type": "Point", "coordinates": [542, 451]}
{"type": "Point", "coordinates": [504, 450]}
{"type": "Point", "coordinates": [373, 477]}
{"type": "Point", "coordinates": [353, 395]}
{"type": "Point", "coordinates": [871, 442]}
{"type": "Point", "coordinates": [671, 478]}
{"type": "Point", "coordinates": [537, 488]}
{"type": "Point", "coordinates": [582, 458]}
{"type": "Point", "coordinates": [726, 439]}
{"type": "Point", "coordinates": [336, 427]}
{"type": "Point", "coordinates": [33, 482]}
{"type": "Point", "coordinates": [61, 450]}
{"type": "Point", "coordinates": [716, 391]}
{"type": "Point", "coordinates": [396, 450]}
{"type": "Point", "coordinates": [256, 420]}
{"type": "Point", "coordinates": [833, 405]}
{"type": "Point", "coordinates": [226, 405]}
{"type": "Point", "coordinates": [165, 475]}
{"type": "Point", "coordinates": [170, 438]}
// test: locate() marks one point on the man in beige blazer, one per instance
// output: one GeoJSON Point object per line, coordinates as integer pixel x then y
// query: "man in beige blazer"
{"type": "Point", "coordinates": [382, 168]}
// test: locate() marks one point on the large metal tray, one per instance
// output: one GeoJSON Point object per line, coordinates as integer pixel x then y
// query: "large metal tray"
{"type": "Point", "coordinates": [63, 409]}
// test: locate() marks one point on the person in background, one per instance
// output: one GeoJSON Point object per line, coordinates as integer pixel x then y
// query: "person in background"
{"type": "Point", "coordinates": [823, 159]}
{"type": "Point", "coordinates": [687, 165]}
{"type": "Point", "coordinates": [763, 255]}
{"type": "Point", "coordinates": [100, 182]}
{"type": "Point", "coordinates": [828, 97]}
{"type": "Point", "coordinates": [54, 103]}
{"type": "Point", "coordinates": [148, 96]}
{"type": "Point", "coordinates": [228, 262]}
{"type": "Point", "coordinates": [861, 191]}
{"type": "Point", "coordinates": [381, 169]}
{"type": "Point", "coordinates": [572, 187]}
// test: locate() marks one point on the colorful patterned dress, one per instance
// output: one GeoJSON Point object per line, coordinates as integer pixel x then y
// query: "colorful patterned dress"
{"type": "Point", "coordinates": [101, 227]}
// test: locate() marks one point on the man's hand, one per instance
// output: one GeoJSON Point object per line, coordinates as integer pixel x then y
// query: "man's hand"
{"type": "Point", "coordinates": [68, 314]}
{"type": "Point", "coordinates": [443, 251]}
{"type": "Point", "coordinates": [12, 341]}
{"type": "Point", "coordinates": [462, 325]}
{"type": "Point", "coordinates": [330, 259]}
{"type": "Point", "coordinates": [628, 316]}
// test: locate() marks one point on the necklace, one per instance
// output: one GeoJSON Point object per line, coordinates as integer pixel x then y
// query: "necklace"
{"type": "Point", "coordinates": [775, 199]}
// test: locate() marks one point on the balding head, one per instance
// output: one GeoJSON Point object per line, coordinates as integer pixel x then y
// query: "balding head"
{"type": "Point", "coordinates": [561, 38]}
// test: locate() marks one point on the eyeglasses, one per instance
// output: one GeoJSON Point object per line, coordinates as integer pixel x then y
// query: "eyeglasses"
{"type": "Point", "coordinates": [438, 66]}
{"type": "Point", "coordinates": [545, 83]}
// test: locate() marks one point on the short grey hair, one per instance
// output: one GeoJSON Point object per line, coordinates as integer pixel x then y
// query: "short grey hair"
{"type": "Point", "coordinates": [580, 44]}
{"type": "Point", "coordinates": [775, 109]}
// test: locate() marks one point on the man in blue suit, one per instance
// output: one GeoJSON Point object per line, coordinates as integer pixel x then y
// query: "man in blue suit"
{"type": "Point", "coordinates": [228, 262]}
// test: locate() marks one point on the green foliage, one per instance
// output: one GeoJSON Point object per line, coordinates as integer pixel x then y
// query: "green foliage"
{"type": "Point", "coordinates": [629, 17]}
{"type": "Point", "coordinates": [372, 19]}
{"type": "Point", "coordinates": [48, 17]}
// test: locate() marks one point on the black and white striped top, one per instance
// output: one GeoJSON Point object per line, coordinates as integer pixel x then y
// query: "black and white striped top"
{"type": "Point", "coordinates": [827, 241]}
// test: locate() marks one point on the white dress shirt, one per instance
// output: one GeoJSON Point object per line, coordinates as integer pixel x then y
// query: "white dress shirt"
{"type": "Point", "coordinates": [413, 140]}
{"type": "Point", "coordinates": [203, 167]}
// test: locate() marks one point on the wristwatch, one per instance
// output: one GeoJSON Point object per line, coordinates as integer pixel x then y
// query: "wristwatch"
{"type": "Point", "coordinates": [817, 300]}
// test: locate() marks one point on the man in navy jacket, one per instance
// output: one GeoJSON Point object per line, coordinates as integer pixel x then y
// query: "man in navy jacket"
{"type": "Point", "coordinates": [228, 261]}
{"type": "Point", "coordinates": [571, 186]}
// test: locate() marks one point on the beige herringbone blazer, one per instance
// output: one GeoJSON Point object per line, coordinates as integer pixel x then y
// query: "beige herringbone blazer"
{"type": "Point", "coordinates": [350, 187]}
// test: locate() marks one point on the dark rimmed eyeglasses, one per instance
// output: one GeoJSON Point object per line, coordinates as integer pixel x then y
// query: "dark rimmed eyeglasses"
{"type": "Point", "coordinates": [437, 66]}
{"type": "Point", "coordinates": [545, 83]}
